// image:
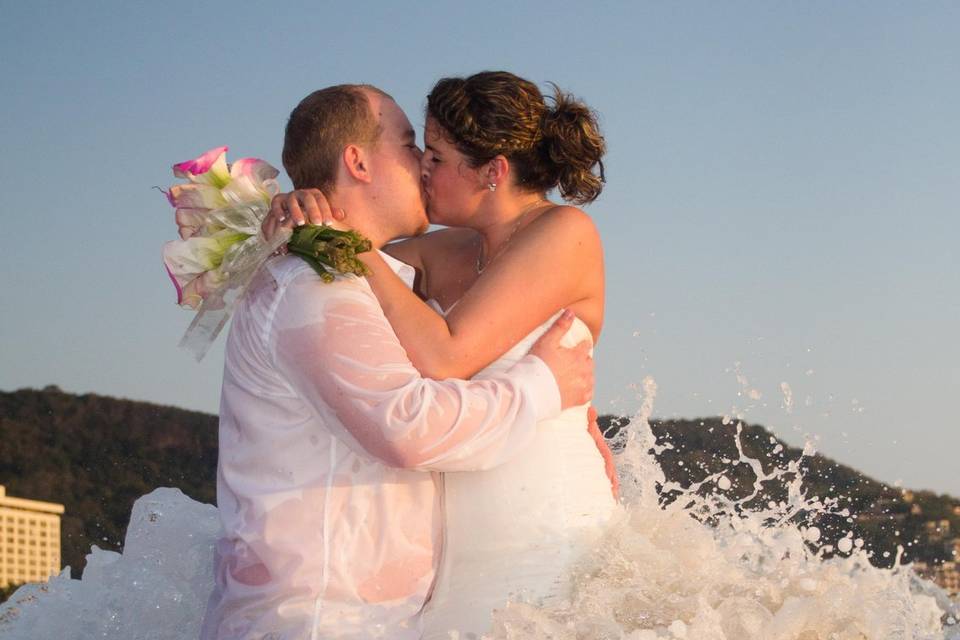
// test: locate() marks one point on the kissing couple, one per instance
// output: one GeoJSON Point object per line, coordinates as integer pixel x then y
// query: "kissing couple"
{"type": "Point", "coordinates": [403, 453]}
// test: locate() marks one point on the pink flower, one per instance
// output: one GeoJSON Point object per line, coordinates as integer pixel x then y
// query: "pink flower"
{"type": "Point", "coordinates": [219, 206]}
{"type": "Point", "coordinates": [251, 179]}
{"type": "Point", "coordinates": [255, 168]}
{"type": "Point", "coordinates": [215, 184]}
{"type": "Point", "coordinates": [208, 168]}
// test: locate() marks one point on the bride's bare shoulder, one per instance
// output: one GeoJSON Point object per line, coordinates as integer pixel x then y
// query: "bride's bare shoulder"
{"type": "Point", "coordinates": [564, 226]}
{"type": "Point", "coordinates": [567, 218]}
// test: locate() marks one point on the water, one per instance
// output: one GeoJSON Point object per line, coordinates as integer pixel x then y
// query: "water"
{"type": "Point", "coordinates": [678, 563]}
{"type": "Point", "coordinates": [157, 589]}
{"type": "Point", "coordinates": [752, 574]}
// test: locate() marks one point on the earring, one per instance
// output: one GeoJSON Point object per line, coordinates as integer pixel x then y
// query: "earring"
{"type": "Point", "coordinates": [492, 186]}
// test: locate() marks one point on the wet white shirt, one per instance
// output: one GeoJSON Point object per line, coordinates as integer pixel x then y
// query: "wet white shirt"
{"type": "Point", "coordinates": [327, 431]}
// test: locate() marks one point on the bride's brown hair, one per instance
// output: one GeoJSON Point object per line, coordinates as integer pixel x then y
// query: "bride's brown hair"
{"type": "Point", "coordinates": [497, 113]}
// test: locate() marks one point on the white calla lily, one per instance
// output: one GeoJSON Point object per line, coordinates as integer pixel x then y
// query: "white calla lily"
{"type": "Point", "coordinates": [208, 168]}
{"type": "Point", "coordinates": [187, 259]}
{"type": "Point", "coordinates": [195, 196]}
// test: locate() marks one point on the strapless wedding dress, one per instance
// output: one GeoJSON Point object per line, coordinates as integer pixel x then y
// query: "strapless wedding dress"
{"type": "Point", "coordinates": [514, 532]}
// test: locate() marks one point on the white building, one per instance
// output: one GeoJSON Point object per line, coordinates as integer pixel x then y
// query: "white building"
{"type": "Point", "coordinates": [29, 539]}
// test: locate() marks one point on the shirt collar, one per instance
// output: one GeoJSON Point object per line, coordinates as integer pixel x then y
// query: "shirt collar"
{"type": "Point", "coordinates": [402, 269]}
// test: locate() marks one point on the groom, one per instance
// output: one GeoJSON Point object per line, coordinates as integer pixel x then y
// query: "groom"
{"type": "Point", "coordinates": [332, 523]}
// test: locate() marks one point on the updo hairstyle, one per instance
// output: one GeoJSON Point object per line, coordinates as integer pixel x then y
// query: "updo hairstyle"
{"type": "Point", "coordinates": [497, 113]}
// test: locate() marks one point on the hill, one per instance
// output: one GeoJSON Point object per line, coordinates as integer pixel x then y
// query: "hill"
{"type": "Point", "coordinates": [97, 454]}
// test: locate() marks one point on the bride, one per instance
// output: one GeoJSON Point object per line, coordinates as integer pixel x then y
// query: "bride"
{"type": "Point", "coordinates": [493, 281]}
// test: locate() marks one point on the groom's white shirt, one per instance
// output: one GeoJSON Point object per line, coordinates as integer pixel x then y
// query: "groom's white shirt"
{"type": "Point", "coordinates": [332, 527]}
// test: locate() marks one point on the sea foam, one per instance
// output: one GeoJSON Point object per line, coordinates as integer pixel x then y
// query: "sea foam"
{"type": "Point", "coordinates": [680, 563]}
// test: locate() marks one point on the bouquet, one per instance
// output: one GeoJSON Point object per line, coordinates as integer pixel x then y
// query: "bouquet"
{"type": "Point", "coordinates": [219, 211]}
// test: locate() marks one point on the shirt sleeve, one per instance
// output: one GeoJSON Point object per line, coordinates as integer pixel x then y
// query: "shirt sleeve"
{"type": "Point", "coordinates": [335, 347]}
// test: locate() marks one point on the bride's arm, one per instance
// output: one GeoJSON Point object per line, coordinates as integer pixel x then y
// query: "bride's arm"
{"type": "Point", "coordinates": [549, 265]}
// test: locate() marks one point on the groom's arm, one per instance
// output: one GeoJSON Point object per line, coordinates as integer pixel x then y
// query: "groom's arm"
{"type": "Point", "coordinates": [337, 349]}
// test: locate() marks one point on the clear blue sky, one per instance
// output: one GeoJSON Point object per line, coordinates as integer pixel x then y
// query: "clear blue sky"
{"type": "Point", "coordinates": [782, 191]}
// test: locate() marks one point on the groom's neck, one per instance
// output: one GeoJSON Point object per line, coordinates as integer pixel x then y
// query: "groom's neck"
{"type": "Point", "coordinates": [361, 215]}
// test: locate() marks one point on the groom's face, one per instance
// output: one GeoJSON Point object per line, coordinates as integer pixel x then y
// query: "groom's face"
{"type": "Point", "coordinates": [395, 164]}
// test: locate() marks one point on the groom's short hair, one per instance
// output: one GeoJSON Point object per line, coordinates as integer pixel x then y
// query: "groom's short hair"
{"type": "Point", "coordinates": [321, 126]}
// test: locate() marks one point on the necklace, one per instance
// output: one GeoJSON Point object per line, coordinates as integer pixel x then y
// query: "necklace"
{"type": "Point", "coordinates": [516, 227]}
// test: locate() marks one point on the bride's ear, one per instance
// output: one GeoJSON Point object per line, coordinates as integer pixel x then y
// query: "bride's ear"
{"type": "Point", "coordinates": [497, 170]}
{"type": "Point", "coordinates": [356, 163]}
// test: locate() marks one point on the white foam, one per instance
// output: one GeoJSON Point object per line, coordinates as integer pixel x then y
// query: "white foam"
{"type": "Point", "coordinates": [658, 573]}
{"type": "Point", "coordinates": [156, 590]}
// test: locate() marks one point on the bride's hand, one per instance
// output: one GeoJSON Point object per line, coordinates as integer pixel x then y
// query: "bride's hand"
{"type": "Point", "coordinates": [288, 210]}
{"type": "Point", "coordinates": [593, 428]}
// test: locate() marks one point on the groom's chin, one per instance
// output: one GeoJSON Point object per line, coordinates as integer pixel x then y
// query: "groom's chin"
{"type": "Point", "coordinates": [424, 216]}
{"type": "Point", "coordinates": [423, 227]}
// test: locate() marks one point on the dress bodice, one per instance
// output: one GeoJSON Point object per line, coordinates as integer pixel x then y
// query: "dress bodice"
{"type": "Point", "coordinates": [578, 333]}
{"type": "Point", "coordinates": [513, 532]}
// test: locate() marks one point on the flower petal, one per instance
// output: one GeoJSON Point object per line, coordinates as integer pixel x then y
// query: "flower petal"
{"type": "Point", "coordinates": [257, 169]}
{"type": "Point", "coordinates": [190, 221]}
{"type": "Point", "coordinates": [208, 168]}
{"type": "Point", "coordinates": [191, 297]}
{"type": "Point", "coordinates": [188, 259]}
{"type": "Point", "coordinates": [176, 283]}
{"type": "Point", "coordinates": [185, 258]}
{"type": "Point", "coordinates": [252, 179]}
{"type": "Point", "coordinates": [195, 196]}
{"type": "Point", "coordinates": [197, 290]}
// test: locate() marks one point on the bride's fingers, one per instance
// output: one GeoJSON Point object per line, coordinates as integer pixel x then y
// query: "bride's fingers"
{"type": "Point", "coordinates": [277, 210]}
{"type": "Point", "coordinates": [316, 207]}
{"type": "Point", "coordinates": [294, 212]}
{"type": "Point", "coordinates": [273, 218]}
{"type": "Point", "coordinates": [267, 227]}
{"type": "Point", "coordinates": [272, 224]}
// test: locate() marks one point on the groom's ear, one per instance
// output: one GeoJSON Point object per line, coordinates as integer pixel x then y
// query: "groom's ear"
{"type": "Point", "coordinates": [356, 162]}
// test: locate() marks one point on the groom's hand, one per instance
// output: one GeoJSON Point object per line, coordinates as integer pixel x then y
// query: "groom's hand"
{"type": "Point", "coordinates": [288, 210]}
{"type": "Point", "coordinates": [572, 368]}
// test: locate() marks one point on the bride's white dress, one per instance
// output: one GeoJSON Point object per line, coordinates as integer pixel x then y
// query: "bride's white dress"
{"type": "Point", "coordinates": [514, 532]}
